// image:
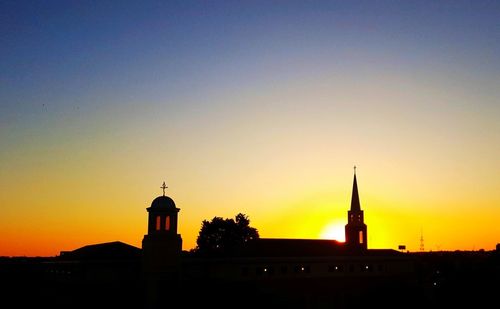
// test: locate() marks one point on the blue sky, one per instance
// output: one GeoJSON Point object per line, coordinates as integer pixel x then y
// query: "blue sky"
{"type": "Point", "coordinates": [245, 103]}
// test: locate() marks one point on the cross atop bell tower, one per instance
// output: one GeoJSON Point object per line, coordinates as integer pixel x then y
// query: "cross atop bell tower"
{"type": "Point", "coordinates": [164, 186]}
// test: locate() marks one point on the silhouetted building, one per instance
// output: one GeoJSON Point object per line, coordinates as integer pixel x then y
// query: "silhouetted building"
{"type": "Point", "coordinates": [291, 273]}
{"type": "Point", "coordinates": [162, 246]}
{"type": "Point", "coordinates": [355, 229]}
{"type": "Point", "coordinates": [294, 272]}
{"type": "Point", "coordinates": [110, 263]}
{"type": "Point", "coordinates": [94, 276]}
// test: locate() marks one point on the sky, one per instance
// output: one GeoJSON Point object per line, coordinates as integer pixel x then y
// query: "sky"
{"type": "Point", "coordinates": [258, 107]}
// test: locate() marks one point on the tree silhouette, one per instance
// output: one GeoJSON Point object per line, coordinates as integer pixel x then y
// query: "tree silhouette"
{"type": "Point", "coordinates": [224, 235]}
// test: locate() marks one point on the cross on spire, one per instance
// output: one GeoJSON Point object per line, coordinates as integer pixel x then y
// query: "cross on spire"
{"type": "Point", "coordinates": [164, 186]}
{"type": "Point", "coordinates": [354, 169]}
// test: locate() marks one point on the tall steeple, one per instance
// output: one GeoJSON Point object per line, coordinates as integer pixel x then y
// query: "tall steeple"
{"type": "Point", "coordinates": [355, 229]}
{"type": "Point", "coordinates": [355, 206]}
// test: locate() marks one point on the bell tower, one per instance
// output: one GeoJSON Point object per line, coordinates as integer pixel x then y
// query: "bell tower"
{"type": "Point", "coordinates": [355, 229]}
{"type": "Point", "coordinates": [162, 246]}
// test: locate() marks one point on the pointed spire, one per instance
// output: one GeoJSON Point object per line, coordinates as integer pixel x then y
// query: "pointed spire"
{"type": "Point", "coordinates": [355, 197]}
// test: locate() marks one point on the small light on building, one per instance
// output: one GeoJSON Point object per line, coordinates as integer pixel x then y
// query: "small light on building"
{"type": "Point", "coordinates": [366, 267]}
{"type": "Point", "coordinates": [435, 284]}
{"type": "Point", "coordinates": [336, 267]}
{"type": "Point", "coordinates": [265, 269]}
{"type": "Point", "coordinates": [302, 268]}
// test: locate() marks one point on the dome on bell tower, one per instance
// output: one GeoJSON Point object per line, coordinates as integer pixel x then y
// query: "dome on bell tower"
{"type": "Point", "coordinates": [163, 202]}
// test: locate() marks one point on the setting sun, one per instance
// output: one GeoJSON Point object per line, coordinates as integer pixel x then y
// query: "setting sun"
{"type": "Point", "coordinates": [334, 230]}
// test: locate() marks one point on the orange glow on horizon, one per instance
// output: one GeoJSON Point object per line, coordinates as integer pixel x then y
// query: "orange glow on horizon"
{"type": "Point", "coordinates": [316, 212]}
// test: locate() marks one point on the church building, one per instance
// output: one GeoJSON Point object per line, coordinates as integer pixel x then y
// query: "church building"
{"type": "Point", "coordinates": [282, 272]}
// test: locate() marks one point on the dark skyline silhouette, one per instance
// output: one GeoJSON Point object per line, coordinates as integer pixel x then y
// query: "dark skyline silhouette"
{"type": "Point", "coordinates": [255, 109]}
{"type": "Point", "coordinates": [256, 272]}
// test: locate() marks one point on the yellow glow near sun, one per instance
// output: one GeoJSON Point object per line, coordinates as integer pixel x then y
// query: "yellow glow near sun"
{"type": "Point", "coordinates": [334, 230]}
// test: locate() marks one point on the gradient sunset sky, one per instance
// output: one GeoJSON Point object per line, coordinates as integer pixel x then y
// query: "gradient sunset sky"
{"type": "Point", "coordinates": [260, 107]}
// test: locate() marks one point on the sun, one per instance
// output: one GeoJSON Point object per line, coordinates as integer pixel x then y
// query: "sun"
{"type": "Point", "coordinates": [334, 230]}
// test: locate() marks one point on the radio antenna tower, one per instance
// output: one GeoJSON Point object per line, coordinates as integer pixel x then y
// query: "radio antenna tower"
{"type": "Point", "coordinates": [421, 241]}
